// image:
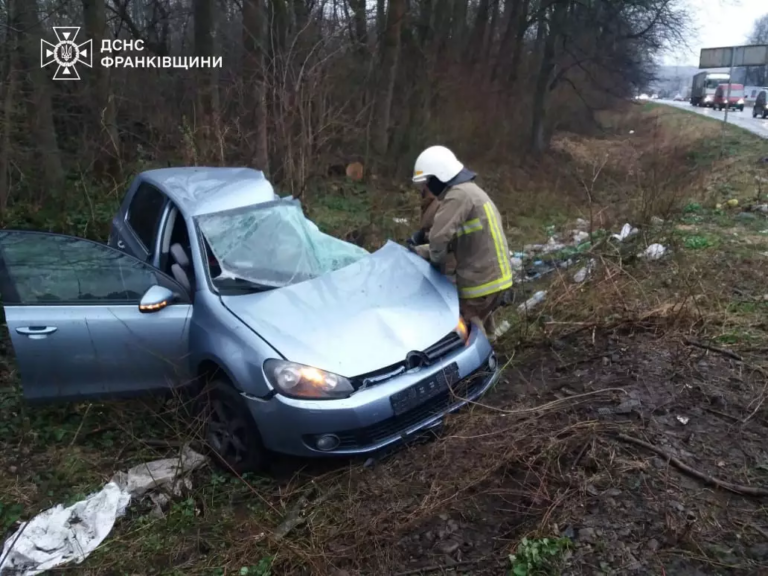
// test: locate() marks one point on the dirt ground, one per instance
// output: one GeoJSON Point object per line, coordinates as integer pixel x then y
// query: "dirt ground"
{"type": "Point", "coordinates": [628, 434]}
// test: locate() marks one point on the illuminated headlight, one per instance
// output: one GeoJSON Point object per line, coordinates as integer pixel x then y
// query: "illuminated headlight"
{"type": "Point", "coordinates": [708, 99]}
{"type": "Point", "coordinates": [463, 330]}
{"type": "Point", "coordinates": [299, 381]}
{"type": "Point", "coordinates": [741, 101]}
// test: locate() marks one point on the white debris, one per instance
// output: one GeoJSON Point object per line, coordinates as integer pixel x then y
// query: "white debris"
{"type": "Point", "coordinates": [532, 302]}
{"type": "Point", "coordinates": [582, 224]}
{"type": "Point", "coordinates": [582, 274]}
{"type": "Point", "coordinates": [501, 329]}
{"type": "Point", "coordinates": [516, 263]}
{"type": "Point", "coordinates": [166, 472]}
{"type": "Point", "coordinates": [626, 231]}
{"type": "Point", "coordinates": [683, 420]}
{"type": "Point", "coordinates": [579, 236]}
{"type": "Point", "coordinates": [631, 131]}
{"type": "Point", "coordinates": [654, 252]}
{"type": "Point", "coordinates": [400, 220]}
{"type": "Point", "coordinates": [61, 535]}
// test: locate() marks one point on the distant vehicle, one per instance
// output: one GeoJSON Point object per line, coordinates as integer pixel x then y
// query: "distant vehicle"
{"type": "Point", "coordinates": [643, 97]}
{"type": "Point", "coordinates": [759, 108]}
{"type": "Point", "coordinates": [724, 100]}
{"type": "Point", "coordinates": [704, 86]}
{"type": "Point", "coordinates": [678, 98]}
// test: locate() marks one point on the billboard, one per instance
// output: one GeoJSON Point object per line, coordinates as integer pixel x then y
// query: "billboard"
{"type": "Point", "coordinates": [742, 56]}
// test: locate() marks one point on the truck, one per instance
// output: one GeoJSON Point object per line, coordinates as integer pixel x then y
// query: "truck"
{"type": "Point", "coordinates": [704, 86]}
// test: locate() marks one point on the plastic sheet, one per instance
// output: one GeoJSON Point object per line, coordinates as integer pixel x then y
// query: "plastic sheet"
{"type": "Point", "coordinates": [61, 535]}
{"type": "Point", "coordinates": [274, 244]}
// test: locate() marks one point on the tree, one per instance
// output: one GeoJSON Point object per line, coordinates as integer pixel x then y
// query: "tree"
{"type": "Point", "coordinates": [254, 30]}
{"type": "Point", "coordinates": [389, 60]}
{"type": "Point", "coordinates": [104, 113]}
{"type": "Point", "coordinates": [40, 102]}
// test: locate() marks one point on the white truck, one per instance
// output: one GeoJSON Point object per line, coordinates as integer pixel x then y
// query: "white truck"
{"type": "Point", "coordinates": [704, 86]}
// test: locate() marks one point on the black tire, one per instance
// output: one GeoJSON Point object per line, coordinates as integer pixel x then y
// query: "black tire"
{"type": "Point", "coordinates": [754, 112]}
{"type": "Point", "coordinates": [229, 432]}
{"type": "Point", "coordinates": [765, 113]}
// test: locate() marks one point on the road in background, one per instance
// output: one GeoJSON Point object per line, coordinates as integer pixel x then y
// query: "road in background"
{"type": "Point", "coordinates": [742, 119]}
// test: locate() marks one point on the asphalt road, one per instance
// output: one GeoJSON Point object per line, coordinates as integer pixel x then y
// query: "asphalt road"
{"type": "Point", "coordinates": [742, 119]}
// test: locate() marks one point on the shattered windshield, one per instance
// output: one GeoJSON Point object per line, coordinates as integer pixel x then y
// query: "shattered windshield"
{"type": "Point", "coordinates": [272, 245]}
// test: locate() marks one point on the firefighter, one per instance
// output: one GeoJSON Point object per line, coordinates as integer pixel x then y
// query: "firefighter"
{"type": "Point", "coordinates": [468, 220]}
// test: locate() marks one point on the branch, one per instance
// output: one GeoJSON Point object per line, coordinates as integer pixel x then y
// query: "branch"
{"type": "Point", "coordinates": [735, 488]}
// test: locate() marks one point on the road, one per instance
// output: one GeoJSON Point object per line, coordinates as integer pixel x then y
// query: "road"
{"type": "Point", "coordinates": [742, 119]}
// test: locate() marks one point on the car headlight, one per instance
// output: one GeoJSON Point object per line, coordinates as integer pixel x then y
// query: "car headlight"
{"type": "Point", "coordinates": [462, 329]}
{"type": "Point", "coordinates": [741, 101]}
{"type": "Point", "coordinates": [299, 381]}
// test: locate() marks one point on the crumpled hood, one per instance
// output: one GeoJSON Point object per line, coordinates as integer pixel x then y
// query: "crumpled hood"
{"type": "Point", "coordinates": [362, 318]}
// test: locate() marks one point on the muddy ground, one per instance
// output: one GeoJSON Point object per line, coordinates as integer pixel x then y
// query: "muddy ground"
{"type": "Point", "coordinates": [564, 471]}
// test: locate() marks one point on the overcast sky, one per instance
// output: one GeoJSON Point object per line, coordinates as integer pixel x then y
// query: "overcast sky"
{"type": "Point", "coordinates": [719, 23]}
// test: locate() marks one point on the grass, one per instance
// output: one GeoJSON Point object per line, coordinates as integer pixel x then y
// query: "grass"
{"type": "Point", "coordinates": [493, 470]}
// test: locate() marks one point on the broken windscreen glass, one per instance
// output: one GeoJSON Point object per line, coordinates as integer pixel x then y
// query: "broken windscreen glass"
{"type": "Point", "coordinates": [274, 245]}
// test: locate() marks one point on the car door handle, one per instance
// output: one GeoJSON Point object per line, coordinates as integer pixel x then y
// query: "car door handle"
{"type": "Point", "coordinates": [36, 332]}
{"type": "Point", "coordinates": [120, 244]}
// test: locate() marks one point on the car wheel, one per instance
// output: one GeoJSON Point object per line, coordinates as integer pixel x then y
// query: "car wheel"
{"type": "Point", "coordinates": [765, 112]}
{"type": "Point", "coordinates": [229, 431]}
{"type": "Point", "coordinates": [754, 113]}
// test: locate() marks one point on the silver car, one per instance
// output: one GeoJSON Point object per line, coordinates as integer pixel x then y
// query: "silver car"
{"type": "Point", "coordinates": [303, 344]}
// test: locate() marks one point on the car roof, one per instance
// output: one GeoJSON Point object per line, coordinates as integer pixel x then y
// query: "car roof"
{"type": "Point", "coordinates": [201, 190]}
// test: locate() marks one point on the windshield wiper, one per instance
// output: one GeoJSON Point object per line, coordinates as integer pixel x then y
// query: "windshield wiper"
{"type": "Point", "coordinates": [241, 284]}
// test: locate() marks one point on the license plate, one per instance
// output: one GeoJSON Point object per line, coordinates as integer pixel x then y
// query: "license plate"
{"type": "Point", "coordinates": [420, 392]}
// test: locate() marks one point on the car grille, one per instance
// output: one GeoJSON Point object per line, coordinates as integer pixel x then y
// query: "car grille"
{"type": "Point", "coordinates": [438, 350]}
{"type": "Point", "coordinates": [362, 437]}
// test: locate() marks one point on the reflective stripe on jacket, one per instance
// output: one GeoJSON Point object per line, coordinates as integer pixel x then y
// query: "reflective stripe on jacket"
{"type": "Point", "coordinates": [470, 218]}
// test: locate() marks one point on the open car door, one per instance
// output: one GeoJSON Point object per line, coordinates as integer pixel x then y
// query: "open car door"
{"type": "Point", "coordinates": [72, 308]}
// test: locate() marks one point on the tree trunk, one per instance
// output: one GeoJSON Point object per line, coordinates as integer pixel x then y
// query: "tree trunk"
{"type": "Point", "coordinates": [389, 60]}
{"type": "Point", "coordinates": [102, 99]}
{"type": "Point", "coordinates": [208, 78]}
{"type": "Point", "coordinates": [517, 50]}
{"type": "Point", "coordinates": [43, 130]}
{"type": "Point", "coordinates": [459, 32]}
{"type": "Point", "coordinates": [8, 94]}
{"type": "Point", "coordinates": [381, 21]}
{"type": "Point", "coordinates": [254, 31]}
{"type": "Point", "coordinates": [539, 139]}
{"type": "Point", "coordinates": [476, 43]}
{"type": "Point", "coordinates": [361, 24]}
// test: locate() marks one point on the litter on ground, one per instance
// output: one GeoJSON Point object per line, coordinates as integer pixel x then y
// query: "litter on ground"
{"type": "Point", "coordinates": [61, 535]}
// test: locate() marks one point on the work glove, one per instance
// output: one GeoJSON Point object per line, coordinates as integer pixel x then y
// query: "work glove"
{"type": "Point", "coordinates": [417, 238]}
{"type": "Point", "coordinates": [422, 250]}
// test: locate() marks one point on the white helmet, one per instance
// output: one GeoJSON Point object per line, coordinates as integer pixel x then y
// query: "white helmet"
{"type": "Point", "coordinates": [436, 161]}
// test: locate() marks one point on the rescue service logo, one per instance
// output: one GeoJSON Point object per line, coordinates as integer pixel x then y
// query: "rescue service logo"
{"type": "Point", "coordinates": [66, 53]}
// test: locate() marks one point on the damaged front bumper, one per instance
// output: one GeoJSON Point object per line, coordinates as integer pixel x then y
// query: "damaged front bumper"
{"type": "Point", "coordinates": [381, 415]}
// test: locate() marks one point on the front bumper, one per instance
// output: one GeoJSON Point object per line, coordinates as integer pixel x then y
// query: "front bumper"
{"type": "Point", "coordinates": [366, 422]}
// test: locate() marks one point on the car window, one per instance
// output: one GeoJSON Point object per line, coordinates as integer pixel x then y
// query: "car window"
{"type": "Point", "coordinates": [144, 213]}
{"type": "Point", "coordinates": [39, 268]}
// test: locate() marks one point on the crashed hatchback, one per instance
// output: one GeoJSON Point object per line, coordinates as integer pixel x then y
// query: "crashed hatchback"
{"type": "Point", "coordinates": [304, 344]}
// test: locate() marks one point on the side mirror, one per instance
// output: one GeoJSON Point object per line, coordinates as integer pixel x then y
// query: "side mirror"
{"type": "Point", "coordinates": [155, 299]}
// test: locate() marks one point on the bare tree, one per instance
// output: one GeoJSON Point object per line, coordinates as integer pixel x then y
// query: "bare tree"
{"type": "Point", "coordinates": [104, 119]}
{"type": "Point", "coordinates": [254, 30]}
{"type": "Point", "coordinates": [40, 102]}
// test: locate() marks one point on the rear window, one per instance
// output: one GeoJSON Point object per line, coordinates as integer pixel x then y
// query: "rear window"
{"type": "Point", "coordinates": [144, 214]}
